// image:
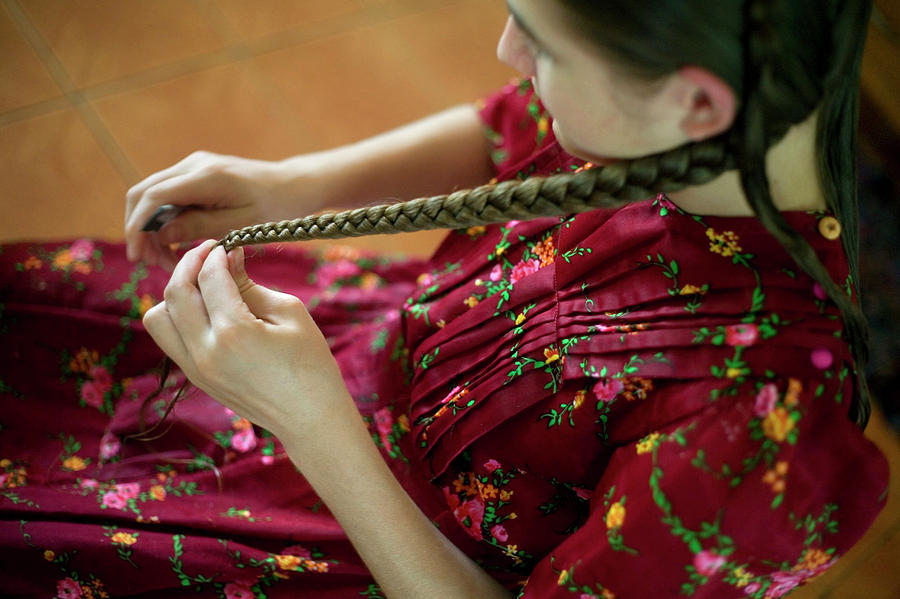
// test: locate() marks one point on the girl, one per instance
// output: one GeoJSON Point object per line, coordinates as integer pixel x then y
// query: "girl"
{"type": "Point", "coordinates": [656, 398]}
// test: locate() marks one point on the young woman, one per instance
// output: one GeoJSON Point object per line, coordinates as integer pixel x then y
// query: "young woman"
{"type": "Point", "coordinates": [615, 392]}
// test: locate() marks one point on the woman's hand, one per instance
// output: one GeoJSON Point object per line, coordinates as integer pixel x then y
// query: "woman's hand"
{"type": "Point", "coordinates": [255, 350]}
{"type": "Point", "coordinates": [223, 193]}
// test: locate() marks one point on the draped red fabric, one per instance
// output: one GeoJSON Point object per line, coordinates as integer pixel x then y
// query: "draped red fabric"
{"type": "Point", "coordinates": [627, 403]}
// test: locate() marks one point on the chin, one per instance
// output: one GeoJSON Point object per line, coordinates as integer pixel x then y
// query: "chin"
{"type": "Point", "coordinates": [579, 152]}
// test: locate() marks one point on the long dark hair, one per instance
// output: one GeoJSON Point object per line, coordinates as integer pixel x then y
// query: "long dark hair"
{"type": "Point", "coordinates": [783, 58]}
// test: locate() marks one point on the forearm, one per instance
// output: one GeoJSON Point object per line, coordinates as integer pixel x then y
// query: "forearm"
{"type": "Point", "coordinates": [405, 552]}
{"type": "Point", "coordinates": [434, 155]}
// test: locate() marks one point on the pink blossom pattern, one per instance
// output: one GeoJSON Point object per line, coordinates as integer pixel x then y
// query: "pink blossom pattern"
{"type": "Point", "coordinates": [741, 334]}
{"type": "Point", "coordinates": [765, 400]}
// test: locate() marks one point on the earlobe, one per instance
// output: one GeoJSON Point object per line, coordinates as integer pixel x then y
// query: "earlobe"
{"type": "Point", "coordinates": [712, 105]}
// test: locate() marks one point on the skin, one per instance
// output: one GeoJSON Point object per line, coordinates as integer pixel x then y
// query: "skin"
{"type": "Point", "coordinates": [601, 116]}
{"type": "Point", "coordinates": [258, 351]}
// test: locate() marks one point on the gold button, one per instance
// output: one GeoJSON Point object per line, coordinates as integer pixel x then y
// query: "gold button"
{"type": "Point", "coordinates": [830, 228]}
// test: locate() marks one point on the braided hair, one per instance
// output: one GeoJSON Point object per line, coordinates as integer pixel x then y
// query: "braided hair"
{"type": "Point", "coordinates": [783, 58]}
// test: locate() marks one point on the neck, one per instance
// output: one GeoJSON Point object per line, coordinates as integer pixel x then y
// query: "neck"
{"type": "Point", "coordinates": [791, 170]}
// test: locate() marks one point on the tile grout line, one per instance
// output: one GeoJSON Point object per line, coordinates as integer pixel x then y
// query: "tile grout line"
{"type": "Point", "coordinates": [76, 98]}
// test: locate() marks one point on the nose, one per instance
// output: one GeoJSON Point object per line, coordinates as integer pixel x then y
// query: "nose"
{"type": "Point", "coordinates": [513, 51]}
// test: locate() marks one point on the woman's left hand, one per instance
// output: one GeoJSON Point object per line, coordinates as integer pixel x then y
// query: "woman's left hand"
{"type": "Point", "coordinates": [255, 350]}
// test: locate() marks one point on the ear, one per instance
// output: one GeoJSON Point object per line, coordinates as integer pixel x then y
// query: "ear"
{"type": "Point", "coordinates": [711, 105]}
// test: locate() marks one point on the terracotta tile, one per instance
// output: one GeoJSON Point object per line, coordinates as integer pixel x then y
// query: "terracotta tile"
{"type": "Point", "coordinates": [856, 565]}
{"type": "Point", "coordinates": [877, 578]}
{"type": "Point", "coordinates": [23, 79]}
{"type": "Point", "coordinates": [257, 19]}
{"type": "Point", "coordinates": [97, 41]}
{"type": "Point", "coordinates": [222, 109]}
{"type": "Point", "coordinates": [354, 85]}
{"type": "Point", "coordinates": [57, 183]}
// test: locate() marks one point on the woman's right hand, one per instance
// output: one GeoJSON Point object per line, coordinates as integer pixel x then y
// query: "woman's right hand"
{"type": "Point", "coordinates": [222, 193]}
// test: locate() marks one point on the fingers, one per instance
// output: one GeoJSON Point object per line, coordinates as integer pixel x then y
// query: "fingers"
{"type": "Point", "coordinates": [159, 325]}
{"type": "Point", "coordinates": [264, 303]}
{"type": "Point", "coordinates": [184, 302]}
{"type": "Point", "coordinates": [221, 295]}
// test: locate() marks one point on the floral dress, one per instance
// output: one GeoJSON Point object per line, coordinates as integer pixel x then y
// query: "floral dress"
{"type": "Point", "coordinates": [619, 404]}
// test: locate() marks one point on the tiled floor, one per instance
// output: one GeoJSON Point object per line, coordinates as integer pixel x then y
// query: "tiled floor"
{"type": "Point", "coordinates": [97, 94]}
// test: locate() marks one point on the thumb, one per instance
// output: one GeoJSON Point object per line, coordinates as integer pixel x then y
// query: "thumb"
{"type": "Point", "coordinates": [263, 302]}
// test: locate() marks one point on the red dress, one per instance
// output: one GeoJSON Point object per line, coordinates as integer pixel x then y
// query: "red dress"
{"type": "Point", "coordinates": [627, 403]}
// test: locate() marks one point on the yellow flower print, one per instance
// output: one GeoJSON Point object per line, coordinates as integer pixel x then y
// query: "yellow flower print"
{"type": "Point", "coordinates": [146, 302]}
{"type": "Point", "coordinates": [647, 444]}
{"type": "Point", "coordinates": [733, 373]}
{"type": "Point", "coordinates": [579, 399]}
{"type": "Point", "coordinates": [32, 262]}
{"type": "Point", "coordinates": [74, 463]}
{"type": "Point", "coordinates": [543, 125]}
{"type": "Point", "coordinates": [84, 360]}
{"type": "Point", "coordinates": [5, 463]}
{"type": "Point", "coordinates": [545, 252]}
{"type": "Point", "coordinates": [615, 517]}
{"type": "Point", "coordinates": [62, 258]}
{"type": "Point", "coordinates": [124, 538]}
{"type": "Point", "coordinates": [506, 496]}
{"type": "Point", "coordinates": [158, 492]}
{"type": "Point", "coordinates": [476, 231]}
{"type": "Point", "coordinates": [471, 301]}
{"type": "Point", "coordinates": [551, 355]}
{"type": "Point", "coordinates": [49, 555]}
{"type": "Point", "coordinates": [792, 395]}
{"type": "Point", "coordinates": [774, 477]}
{"type": "Point", "coordinates": [563, 578]}
{"type": "Point", "coordinates": [520, 318]}
{"type": "Point", "coordinates": [287, 562]}
{"type": "Point", "coordinates": [813, 558]}
{"type": "Point", "coordinates": [690, 290]}
{"type": "Point", "coordinates": [778, 424]}
{"type": "Point", "coordinates": [725, 243]}
{"type": "Point", "coordinates": [403, 421]}
{"type": "Point", "coordinates": [82, 268]}
{"type": "Point", "coordinates": [742, 577]}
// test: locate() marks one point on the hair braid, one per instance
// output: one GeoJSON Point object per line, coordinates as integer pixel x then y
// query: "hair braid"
{"type": "Point", "coordinates": [601, 187]}
{"type": "Point", "coordinates": [760, 128]}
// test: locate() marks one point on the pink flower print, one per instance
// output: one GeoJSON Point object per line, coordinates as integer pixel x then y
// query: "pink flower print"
{"type": "Point", "coordinates": [752, 588]}
{"type": "Point", "coordinates": [88, 483]}
{"type": "Point", "coordinates": [113, 500]}
{"type": "Point", "coordinates": [383, 422]}
{"type": "Point", "coordinates": [91, 394]}
{"type": "Point", "coordinates": [606, 390]}
{"type": "Point", "coordinates": [82, 250]}
{"type": "Point", "coordinates": [267, 460]}
{"type": "Point", "coordinates": [298, 550]}
{"type": "Point", "coordinates": [499, 533]}
{"type": "Point", "coordinates": [68, 589]}
{"type": "Point", "coordinates": [3, 478]}
{"type": "Point", "coordinates": [819, 291]}
{"type": "Point", "coordinates": [238, 590]}
{"type": "Point", "coordinates": [109, 446]}
{"type": "Point", "coordinates": [425, 279]}
{"type": "Point", "coordinates": [765, 400]}
{"type": "Point", "coordinates": [821, 358]}
{"type": "Point", "coordinates": [741, 334]}
{"type": "Point", "coordinates": [496, 273]}
{"type": "Point", "coordinates": [708, 563]}
{"type": "Point", "coordinates": [523, 269]}
{"type": "Point", "coordinates": [102, 378]}
{"type": "Point", "coordinates": [512, 224]}
{"type": "Point", "coordinates": [783, 583]}
{"type": "Point", "coordinates": [243, 440]}
{"type": "Point", "coordinates": [128, 490]}
{"type": "Point", "coordinates": [583, 494]}
{"type": "Point", "coordinates": [331, 272]}
{"type": "Point", "coordinates": [491, 465]}
{"type": "Point", "coordinates": [469, 514]}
